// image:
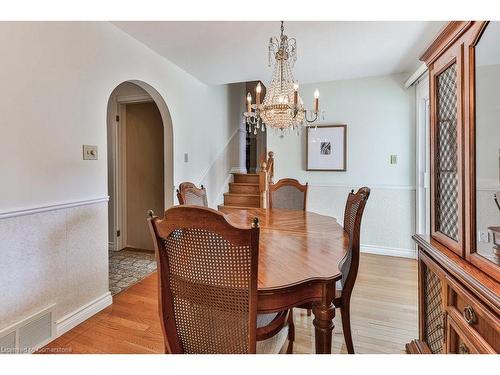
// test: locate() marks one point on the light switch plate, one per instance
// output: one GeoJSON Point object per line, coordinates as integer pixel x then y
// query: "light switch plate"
{"type": "Point", "coordinates": [394, 159]}
{"type": "Point", "coordinates": [89, 152]}
{"type": "Point", "coordinates": [186, 157]}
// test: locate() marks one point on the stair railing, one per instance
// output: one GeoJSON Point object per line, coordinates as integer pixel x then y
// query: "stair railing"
{"type": "Point", "coordinates": [266, 177]}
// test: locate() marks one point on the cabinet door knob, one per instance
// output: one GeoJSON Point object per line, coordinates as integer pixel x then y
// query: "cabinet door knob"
{"type": "Point", "coordinates": [469, 315]}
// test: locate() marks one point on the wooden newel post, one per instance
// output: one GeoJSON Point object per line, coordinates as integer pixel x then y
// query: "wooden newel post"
{"type": "Point", "coordinates": [270, 167]}
{"type": "Point", "coordinates": [266, 176]}
{"type": "Point", "coordinates": [263, 181]}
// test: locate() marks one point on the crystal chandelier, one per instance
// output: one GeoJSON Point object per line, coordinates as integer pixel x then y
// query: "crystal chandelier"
{"type": "Point", "coordinates": [282, 108]}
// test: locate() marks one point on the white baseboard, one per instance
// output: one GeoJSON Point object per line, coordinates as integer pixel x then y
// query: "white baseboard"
{"type": "Point", "coordinates": [389, 251]}
{"type": "Point", "coordinates": [81, 314]}
{"type": "Point", "coordinates": [238, 170]}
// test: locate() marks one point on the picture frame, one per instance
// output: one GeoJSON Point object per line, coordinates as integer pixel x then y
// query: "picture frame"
{"type": "Point", "coordinates": [326, 148]}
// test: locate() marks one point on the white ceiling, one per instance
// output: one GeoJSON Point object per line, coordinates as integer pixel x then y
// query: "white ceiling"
{"type": "Point", "coordinates": [226, 52]}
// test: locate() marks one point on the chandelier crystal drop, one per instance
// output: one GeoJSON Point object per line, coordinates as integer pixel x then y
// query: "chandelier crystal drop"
{"type": "Point", "coordinates": [282, 108]}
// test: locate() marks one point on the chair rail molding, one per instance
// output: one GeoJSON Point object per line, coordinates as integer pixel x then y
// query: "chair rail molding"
{"type": "Point", "coordinates": [52, 207]}
{"type": "Point", "coordinates": [377, 187]}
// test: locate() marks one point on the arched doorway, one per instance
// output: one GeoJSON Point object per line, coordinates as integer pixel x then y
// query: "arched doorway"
{"type": "Point", "coordinates": [140, 177]}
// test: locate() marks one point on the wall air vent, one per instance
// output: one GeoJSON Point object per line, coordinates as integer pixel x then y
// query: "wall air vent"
{"type": "Point", "coordinates": [8, 343]}
{"type": "Point", "coordinates": [30, 334]}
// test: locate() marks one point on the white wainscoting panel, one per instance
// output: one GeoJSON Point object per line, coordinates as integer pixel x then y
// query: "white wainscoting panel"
{"type": "Point", "coordinates": [388, 221]}
{"type": "Point", "coordinates": [53, 256]}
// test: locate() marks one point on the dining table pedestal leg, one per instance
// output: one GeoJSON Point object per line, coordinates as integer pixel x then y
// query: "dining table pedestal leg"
{"type": "Point", "coordinates": [323, 327]}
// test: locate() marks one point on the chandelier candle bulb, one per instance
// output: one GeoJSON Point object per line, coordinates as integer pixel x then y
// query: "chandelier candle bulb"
{"type": "Point", "coordinates": [316, 101]}
{"type": "Point", "coordinates": [249, 102]}
{"type": "Point", "coordinates": [295, 94]}
{"type": "Point", "coordinates": [258, 90]}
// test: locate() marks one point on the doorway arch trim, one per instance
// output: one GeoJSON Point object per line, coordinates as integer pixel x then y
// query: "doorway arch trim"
{"type": "Point", "coordinates": [114, 104]}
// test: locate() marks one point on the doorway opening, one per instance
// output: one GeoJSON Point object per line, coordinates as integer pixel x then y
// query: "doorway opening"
{"type": "Point", "coordinates": [140, 168]}
{"type": "Point", "coordinates": [256, 142]}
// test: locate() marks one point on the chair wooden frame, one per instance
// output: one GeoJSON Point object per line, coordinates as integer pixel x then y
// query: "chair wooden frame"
{"type": "Point", "coordinates": [185, 187]}
{"type": "Point", "coordinates": [207, 219]}
{"type": "Point", "coordinates": [288, 182]}
{"type": "Point", "coordinates": [344, 300]}
{"type": "Point", "coordinates": [343, 297]}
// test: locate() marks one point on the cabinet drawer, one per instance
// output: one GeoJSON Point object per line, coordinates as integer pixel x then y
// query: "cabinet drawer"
{"type": "Point", "coordinates": [457, 341]}
{"type": "Point", "coordinates": [480, 325]}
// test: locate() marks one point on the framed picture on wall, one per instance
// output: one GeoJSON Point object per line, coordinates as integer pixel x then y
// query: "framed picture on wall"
{"type": "Point", "coordinates": [326, 148]}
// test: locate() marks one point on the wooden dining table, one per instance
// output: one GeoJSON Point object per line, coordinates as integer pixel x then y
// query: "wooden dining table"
{"type": "Point", "coordinates": [300, 254]}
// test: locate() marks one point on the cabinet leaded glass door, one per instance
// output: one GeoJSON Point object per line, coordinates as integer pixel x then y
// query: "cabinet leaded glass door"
{"type": "Point", "coordinates": [446, 215]}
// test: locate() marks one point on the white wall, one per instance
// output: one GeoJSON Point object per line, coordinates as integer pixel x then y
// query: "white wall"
{"type": "Point", "coordinates": [57, 79]}
{"type": "Point", "coordinates": [216, 178]}
{"type": "Point", "coordinates": [380, 118]}
{"type": "Point", "coordinates": [64, 73]}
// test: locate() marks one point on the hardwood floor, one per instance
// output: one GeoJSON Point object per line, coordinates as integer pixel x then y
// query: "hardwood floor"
{"type": "Point", "coordinates": [384, 316]}
{"type": "Point", "coordinates": [383, 309]}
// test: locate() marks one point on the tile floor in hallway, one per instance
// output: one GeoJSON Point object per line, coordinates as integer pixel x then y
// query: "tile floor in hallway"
{"type": "Point", "coordinates": [127, 267]}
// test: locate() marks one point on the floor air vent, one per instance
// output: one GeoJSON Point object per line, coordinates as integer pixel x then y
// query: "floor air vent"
{"type": "Point", "coordinates": [29, 334]}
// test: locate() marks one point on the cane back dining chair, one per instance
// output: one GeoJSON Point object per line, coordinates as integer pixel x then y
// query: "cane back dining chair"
{"type": "Point", "coordinates": [207, 276]}
{"type": "Point", "coordinates": [288, 193]}
{"type": "Point", "coordinates": [353, 213]}
{"type": "Point", "coordinates": [189, 194]}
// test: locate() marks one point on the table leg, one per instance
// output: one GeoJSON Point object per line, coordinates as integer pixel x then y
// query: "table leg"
{"type": "Point", "coordinates": [323, 327]}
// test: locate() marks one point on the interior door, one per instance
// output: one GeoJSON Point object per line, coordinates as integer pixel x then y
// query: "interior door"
{"type": "Point", "coordinates": [144, 171]}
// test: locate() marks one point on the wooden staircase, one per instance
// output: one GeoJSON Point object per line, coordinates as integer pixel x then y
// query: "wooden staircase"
{"type": "Point", "coordinates": [244, 191]}
{"type": "Point", "coordinates": [249, 190]}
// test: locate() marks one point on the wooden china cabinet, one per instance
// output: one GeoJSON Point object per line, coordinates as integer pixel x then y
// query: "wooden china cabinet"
{"type": "Point", "coordinates": [459, 268]}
